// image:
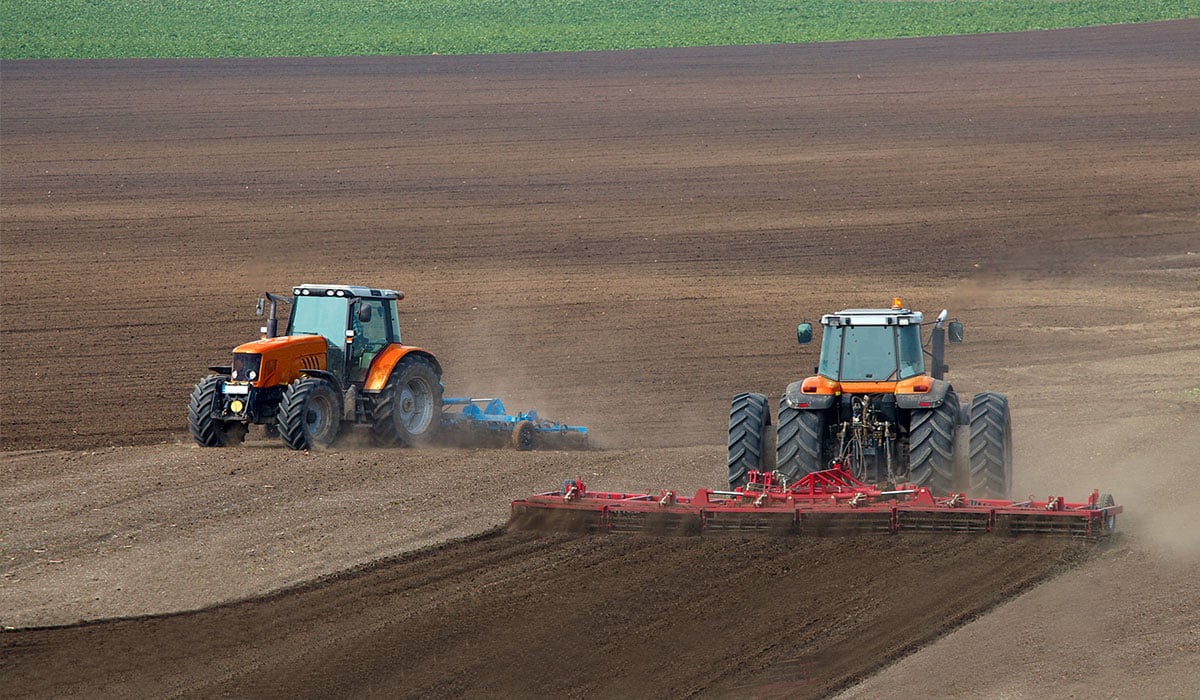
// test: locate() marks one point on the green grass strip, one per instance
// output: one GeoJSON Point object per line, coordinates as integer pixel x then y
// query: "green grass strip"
{"type": "Point", "coordinates": [211, 28]}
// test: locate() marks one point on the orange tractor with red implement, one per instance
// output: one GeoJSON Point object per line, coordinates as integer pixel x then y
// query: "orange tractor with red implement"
{"type": "Point", "coordinates": [875, 408]}
{"type": "Point", "coordinates": [875, 441]}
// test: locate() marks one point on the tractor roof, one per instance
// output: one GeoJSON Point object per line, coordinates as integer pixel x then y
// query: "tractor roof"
{"type": "Point", "coordinates": [873, 317]}
{"type": "Point", "coordinates": [345, 290]}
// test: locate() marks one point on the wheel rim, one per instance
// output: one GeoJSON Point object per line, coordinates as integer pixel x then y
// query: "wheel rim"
{"type": "Point", "coordinates": [415, 406]}
{"type": "Point", "coordinates": [318, 415]}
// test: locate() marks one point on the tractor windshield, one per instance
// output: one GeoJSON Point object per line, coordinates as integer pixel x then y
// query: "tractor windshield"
{"type": "Point", "coordinates": [871, 353]}
{"type": "Point", "coordinates": [324, 316]}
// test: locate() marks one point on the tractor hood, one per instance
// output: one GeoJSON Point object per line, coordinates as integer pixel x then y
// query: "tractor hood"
{"type": "Point", "coordinates": [278, 361]}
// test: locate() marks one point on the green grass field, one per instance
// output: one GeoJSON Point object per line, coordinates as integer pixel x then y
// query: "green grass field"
{"type": "Point", "coordinates": [126, 28]}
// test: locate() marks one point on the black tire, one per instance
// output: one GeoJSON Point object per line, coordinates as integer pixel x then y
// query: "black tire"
{"type": "Point", "coordinates": [801, 449]}
{"type": "Point", "coordinates": [408, 411]}
{"type": "Point", "coordinates": [524, 437]}
{"type": "Point", "coordinates": [309, 414]}
{"type": "Point", "coordinates": [931, 446]}
{"type": "Point", "coordinates": [206, 428]}
{"type": "Point", "coordinates": [990, 473]}
{"type": "Point", "coordinates": [749, 437]}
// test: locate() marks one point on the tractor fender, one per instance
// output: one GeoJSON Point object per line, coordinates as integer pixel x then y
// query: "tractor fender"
{"type": "Point", "coordinates": [927, 399]}
{"type": "Point", "coordinates": [796, 398]}
{"type": "Point", "coordinates": [322, 374]}
{"type": "Point", "coordinates": [386, 361]}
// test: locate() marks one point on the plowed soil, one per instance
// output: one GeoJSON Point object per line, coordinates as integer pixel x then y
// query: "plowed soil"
{"type": "Point", "coordinates": [622, 240]}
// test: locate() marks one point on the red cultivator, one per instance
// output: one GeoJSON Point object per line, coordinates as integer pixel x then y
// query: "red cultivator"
{"type": "Point", "coordinates": [821, 503]}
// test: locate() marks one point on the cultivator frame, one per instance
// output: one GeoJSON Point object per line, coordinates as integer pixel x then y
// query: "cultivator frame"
{"type": "Point", "coordinates": [829, 502]}
{"type": "Point", "coordinates": [487, 420]}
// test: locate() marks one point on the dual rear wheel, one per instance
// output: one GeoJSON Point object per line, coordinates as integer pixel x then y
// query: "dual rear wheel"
{"type": "Point", "coordinates": [751, 439]}
{"type": "Point", "coordinates": [802, 444]}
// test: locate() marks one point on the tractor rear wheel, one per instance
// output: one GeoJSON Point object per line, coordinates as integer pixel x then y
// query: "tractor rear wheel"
{"type": "Point", "coordinates": [931, 446]}
{"type": "Point", "coordinates": [801, 448]}
{"type": "Point", "coordinates": [990, 446]}
{"type": "Point", "coordinates": [409, 409]}
{"type": "Point", "coordinates": [206, 428]}
{"type": "Point", "coordinates": [310, 414]}
{"type": "Point", "coordinates": [750, 445]}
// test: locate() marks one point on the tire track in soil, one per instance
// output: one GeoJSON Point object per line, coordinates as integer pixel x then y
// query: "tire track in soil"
{"type": "Point", "coordinates": [520, 614]}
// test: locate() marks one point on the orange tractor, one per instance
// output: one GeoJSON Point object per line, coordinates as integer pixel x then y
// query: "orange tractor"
{"type": "Point", "coordinates": [876, 409]}
{"type": "Point", "coordinates": [340, 362]}
{"type": "Point", "coordinates": [876, 442]}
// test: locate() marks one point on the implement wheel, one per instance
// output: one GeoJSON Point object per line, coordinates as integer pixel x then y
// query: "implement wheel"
{"type": "Point", "coordinates": [990, 447]}
{"type": "Point", "coordinates": [801, 436]}
{"type": "Point", "coordinates": [409, 409]}
{"type": "Point", "coordinates": [524, 437]}
{"type": "Point", "coordinates": [206, 428]}
{"type": "Point", "coordinates": [750, 437]}
{"type": "Point", "coordinates": [931, 446]}
{"type": "Point", "coordinates": [309, 415]}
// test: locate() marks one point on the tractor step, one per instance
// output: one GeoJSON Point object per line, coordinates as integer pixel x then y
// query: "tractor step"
{"type": "Point", "coordinates": [830, 502]}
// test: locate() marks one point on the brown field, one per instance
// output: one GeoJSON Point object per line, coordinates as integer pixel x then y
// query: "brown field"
{"type": "Point", "coordinates": [622, 240]}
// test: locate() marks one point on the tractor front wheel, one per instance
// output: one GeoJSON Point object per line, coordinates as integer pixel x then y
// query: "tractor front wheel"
{"type": "Point", "coordinates": [990, 446]}
{"type": "Point", "coordinates": [408, 411]}
{"type": "Point", "coordinates": [206, 428]}
{"type": "Point", "coordinates": [750, 445]}
{"type": "Point", "coordinates": [310, 414]}
{"type": "Point", "coordinates": [931, 446]}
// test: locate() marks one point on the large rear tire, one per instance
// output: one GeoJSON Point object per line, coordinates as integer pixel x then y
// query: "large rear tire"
{"type": "Point", "coordinates": [408, 411]}
{"type": "Point", "coordinates": [990, 447]}
{"type": "Point", "coordinates": [206, 428]}
{"type": "Point", "coordinates": [931, 446]}
{"type": "Point", "coordinates": [801, 449]}
{"type": "Point", "coordinates": [749, 437]}
{"type": "Point", "coordinates": [310, 414]}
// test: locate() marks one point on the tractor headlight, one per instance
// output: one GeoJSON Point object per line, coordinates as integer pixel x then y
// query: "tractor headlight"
{"type": "Point", "coordinates": [246, 365]}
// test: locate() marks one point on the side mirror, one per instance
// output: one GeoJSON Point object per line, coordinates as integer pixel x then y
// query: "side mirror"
{"type": "Point", "coordinates": [364, 313]}
{"type": "Point", "coordinates": [259, 310]}
{"type": "Point", "coordinates": [804, 333]}
{"type": "Point", "coordinates": [956, 332]}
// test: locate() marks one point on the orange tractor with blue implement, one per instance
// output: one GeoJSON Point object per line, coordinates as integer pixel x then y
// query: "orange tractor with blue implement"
{"type": "Point", "coordinates": [340, 363]}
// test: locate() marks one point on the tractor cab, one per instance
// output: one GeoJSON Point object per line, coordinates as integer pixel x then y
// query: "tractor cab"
{"type": "Point", "coordinates": [876, 345]}
{"type": "Point", "coordinates": [356, 323]}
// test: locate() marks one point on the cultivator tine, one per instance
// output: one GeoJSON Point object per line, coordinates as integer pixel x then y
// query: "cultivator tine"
{"type": "Point", "coordinates": [827, 524]}
{"type": "Point", "coordinates": [943, 521]}
{"type": "Point", "coordinates": [654, 522]}
{"type": "Point", "coordinates": [1081, 526]}
{"type": "Point", "coordinates": [784, 523]}
{"type": "Point", "coordinates": [543, 519]}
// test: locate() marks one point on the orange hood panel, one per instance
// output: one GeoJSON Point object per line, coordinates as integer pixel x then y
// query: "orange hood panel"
{"type": "Point", "coordinates": [285, 356]}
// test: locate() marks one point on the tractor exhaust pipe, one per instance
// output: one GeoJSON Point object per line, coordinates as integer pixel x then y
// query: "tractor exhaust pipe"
{"type": "Point", "coordinates": [271, 330]}
{"type": "Point", "coordinates": [938, 347]}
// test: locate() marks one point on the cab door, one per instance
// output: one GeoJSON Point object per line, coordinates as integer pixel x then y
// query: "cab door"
{"type": "Point", "coordinates": [370, 323]}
